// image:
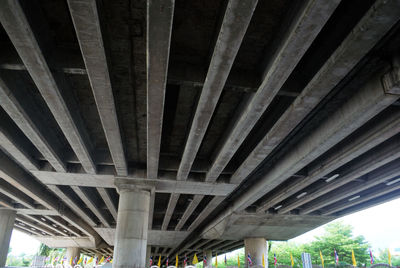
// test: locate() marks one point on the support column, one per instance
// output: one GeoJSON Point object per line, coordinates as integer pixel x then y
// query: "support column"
{"type": "Point", "coordinates": [148, 255]}
{"type": "Point", "coordinates": [132, 227]}
{"type": "Point", "coordinates": [256, 247]}
{"type": "Point", "coordinates": [7, 218]}
{"type": "Point", "coordinates": [72, 253]}
{"type": "Point", "coordinates": [209, 256]}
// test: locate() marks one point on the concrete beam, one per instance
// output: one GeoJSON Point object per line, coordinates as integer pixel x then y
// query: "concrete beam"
{"type": "Point", "coordinates": [52, 86]}
{"type": "Point", "coordinates": [88, 200]}
{"type": "Point", "coordinates": [12, 192]}
{"type": "Point", "coordinates": [342, 205]}
{"type": "Point", "coordinates": [7, 218]}
{"type": "Point", "coordinates": [159, 27]}
{"type": "Point", "coordinates": [63, 224]}
{"type": "Point", "coordinates": [34, 224]}
{"type": "Point", "coordinates": [384, 154]}
{"type": "Point", "coordinates": [378, 133]}
{"type": "Point", "coordinates": [374, 178]}
{"type": "Point", "coordinates": [364, 105]}
{"type": "Point", "coordinates": [378, 21]}
{"type": "Point", "coordinates": [27, 120]}
{"type": "Point", "coordinates": [87, 26]}
{"type": "Point", "coordinates": [65, 242]}
{"type": "Point", "coordinates": [170, 210]}
{"type": "Point", "coordinates": [302, 32]}
{"type": "Point", "coordinates": [189, 210]}
{"type": "Point", "coordinates": [13, 145]}
{"type": "Point", "coordinates": [71, 204]}
{"type": "Point", "coordinates": [162, 185]}
{"type": "Point", "coordinates": [27, 230]}
{"type": "Point", "coordinates": [206, 211]}
{"type": "Point", "coordinates": [109, 203]}
{"type": "Point", "coordinates": [234, 25]}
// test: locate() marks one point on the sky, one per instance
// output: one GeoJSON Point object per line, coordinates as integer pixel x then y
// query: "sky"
{"type": "Point", "coordinates": [380, 225]}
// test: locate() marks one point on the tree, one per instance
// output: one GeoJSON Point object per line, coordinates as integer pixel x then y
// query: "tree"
{"type": "Point", "coordinates": [339, 236]}
{"type": "Point", "coordinates": [44, 250]}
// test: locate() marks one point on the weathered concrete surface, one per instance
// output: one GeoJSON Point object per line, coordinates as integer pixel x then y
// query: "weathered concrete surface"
{"type": "Point", "coordinates": [67, 242]}
{"type": "Point", "coordinates": [257, 249]}
{"type": "Point", "coordinates": [87, 25]}
{"type": "Point", "coordinates": [7, 217]}
{"type": "Point", "coordinates": [73, 253]}
{"type": "Point", "coordinates": [132, 228]}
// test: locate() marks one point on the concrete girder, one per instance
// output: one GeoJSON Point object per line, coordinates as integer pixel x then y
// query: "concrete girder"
{"type": "Point", "coordinates": [377, 134]}
{"type": "Point", "coordinates": [361, 107]}
{"type": "Point", "coordinates": [163, 185]}
{"type": "Point", "coordinates": [374, 178]}
{"type": "Point", "coordinates": [367, 163]}
{"type": "Point", "coordinates": [371, 203]}
{"type": "Point", "coordinates": [206, 211]}
{"type": "Point", "coordinates": [310, 19]}
{"type": "Point", "coordinates": [364, 105]}
{"type": "Point", "coordinates": [170, 210]}
{"type": "Point", "coordinates": [62, 223]}
{"type": "Point", "coordinates": [27, 121]}
{"type": "Point", "coordinates": [6, 202]}
{"type": "Point", "coordinates": [34, 224]}
{"type": "Point", "coordinates": [52, 86]}
{"type": "Point", "coordinates": [85, 197]}
{"type": "Point", "coordinates": [189, 210]}
{"type": "Point", "coordinates": [71, 204]}
{"type": "Point", "coordinates": [27, 184]}
{"type": "Point", "coordinates": [234, 25]}
{"type": "Point", "coordinates": [109, 203]}
{"type": "Point", "coordinates": [27, 230]}
{"type": "Point", "coordinates": [347, 204]}
{"type": "Point", "coordinates": [378, 20]}
{"type": "Point", "coordinates": [85, 17]}
{"type": "Point", "coordinates": [10, 143]}
{"type": "Point", "coordinates": [12, 192]}
{"type": "Point", "coordinates": [45, 224]}
{"type": "Point", "coordinates": [159, 27]}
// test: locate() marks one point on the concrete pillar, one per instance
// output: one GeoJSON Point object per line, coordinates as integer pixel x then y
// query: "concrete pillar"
{"type": "Point", "coordinates": [132, 227]}
{"type": "Point", "coordinates": [72, 253]}
{"type": "Point", "coordinates": [148, 255]}
{"type": "Point", "coordinates": [98, 257]}
{"type": "Point", "coordinates": [256, 247]}
{"type": "Point", "coordinates": [209, 256]}
{"type": "Point", "coordinates": [7, 218]}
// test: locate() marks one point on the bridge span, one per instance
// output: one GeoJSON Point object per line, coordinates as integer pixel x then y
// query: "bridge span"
{"type": "Point", "coordinates": [173, 127]}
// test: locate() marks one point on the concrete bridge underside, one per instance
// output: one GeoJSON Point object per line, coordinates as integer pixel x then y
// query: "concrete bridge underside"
{"type": "Point", "coordinates": [179, 127]}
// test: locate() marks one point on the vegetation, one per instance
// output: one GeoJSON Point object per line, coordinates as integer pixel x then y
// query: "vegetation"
{"type": "Point", "coordinates": [337, 236]}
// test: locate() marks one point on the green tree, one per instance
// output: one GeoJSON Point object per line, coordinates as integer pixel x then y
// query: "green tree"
{"type": "Point", "coordinates": [339, 236]}
{"type": "Point", "coordinates": [384, 258]}
{"type": "Point", "coordinates": [44, 250]}
{"type": "Point", "coordinates": [283, 251]}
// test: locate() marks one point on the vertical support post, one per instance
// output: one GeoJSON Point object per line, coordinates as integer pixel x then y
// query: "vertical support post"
{"type": "Point", "coordinates": [148, 255]}
{"type": "Point", "coordinates": [132, 227]}
{"type": "Point", "coordinates": [7, 218]}
{"type": "Point", "coordinates": [256, 247]}
{"type": "Point", "coordinates": [73, 253]}
{"type": "Point", "coordinates": [209, 256]}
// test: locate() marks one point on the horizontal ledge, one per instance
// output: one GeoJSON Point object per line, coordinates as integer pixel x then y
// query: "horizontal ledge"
{"type": "Point", "coordinates": [161, 185]}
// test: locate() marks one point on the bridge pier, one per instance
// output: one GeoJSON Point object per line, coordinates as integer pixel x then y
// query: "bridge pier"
{"type": "Point", "coordinates": [73, 252]}
{"type": "Point", "coordinates": [7, 218]}
{"type": "Point", "coordinates": [256, 247]}
{"type": "Point", "coordinates": [132, 226]}
{"type": "Point", "coordinates": [208, 254]}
